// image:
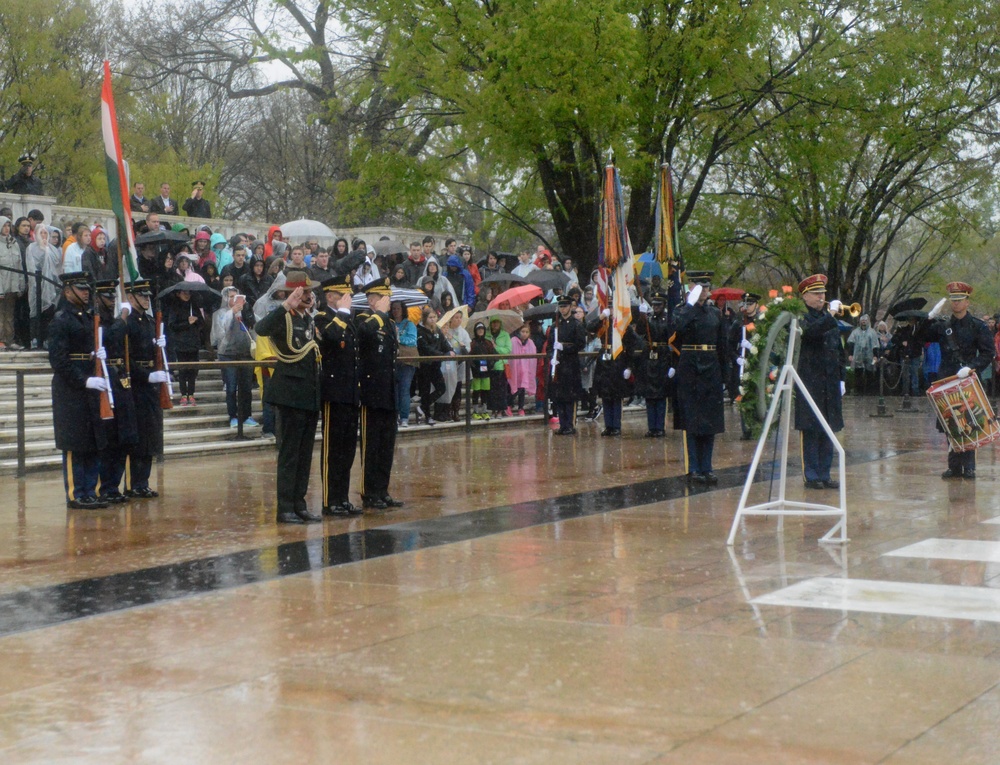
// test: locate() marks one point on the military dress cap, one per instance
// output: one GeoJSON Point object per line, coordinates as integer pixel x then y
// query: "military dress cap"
{"type": "Point", "coordinates": [140, 287]}
{"type": "Point", "coordinates": [338, 283]}
{"type": "Point", "coordinates": [657, 298]}
{"type": "Point", "coordinates": [198, 185]}
{"type": "Point", "coordinates": [699, 277]}
{"type": "Point", "coordinates": [106, 286]}
{"type": "Point", "coordinates": [566, 300]}
{"type": "Point", "coordinates": [76, 279]}
{"type": "Point", "coordinates": [379, 287]}
{"type": "Point", "coordinates": [751, 297]}
{"type": "Point", "coordinates": [814, 283]}
{"type": "Point", "coordinates": [958, 290]}
{"type": "Point", "coordinates": [27, 158]}
{"type": "Point", "coordinates": [296, 277]}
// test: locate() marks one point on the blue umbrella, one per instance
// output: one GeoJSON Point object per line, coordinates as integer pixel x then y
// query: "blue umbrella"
{"type": "Point", "coordinates": [647, 266]}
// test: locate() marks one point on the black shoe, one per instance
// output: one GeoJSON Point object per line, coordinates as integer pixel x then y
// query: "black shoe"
{"type": "Point", "coordinates": [710, 478]}
{"type": "Point", "coordinates": [650, 434]}
{"type": "Point", "coordinates": [146, 493]}
{"type": "Point", "coordinates": [113, 499]}
{"type": "Point", "coordinates": [350, 509]}
{"type": "Point", "coordinates": [607, 432]}
{"type": "Point", "coordinates": [290, 518]}
{"type": "Point", "coordinates": [831, 484]}
{"type": "Point", "coordinates": [306, 517]}
{"type": "Point", "coordinates": [695, 478]}
{"type": "Point", "coordinates": [373, 503]}
{"type": "Point", "coordinates": [969, 475]}
{"type": "Point", "coordinates": [949, 473]}
{"type": "Point", "coordinates": [815, 485]}
{"type": "Point", "coordinates": [390, 502]}
{"type": "Point", "coordinates": [659, 434]}
{"type": "Point", "coordinates": [86, 503]}
{"type": "Point", "coordinates": [334, 511]}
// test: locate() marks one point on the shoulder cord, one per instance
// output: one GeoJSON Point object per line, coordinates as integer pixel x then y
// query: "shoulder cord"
{"type": "Point", "coordinates": [298, 354]}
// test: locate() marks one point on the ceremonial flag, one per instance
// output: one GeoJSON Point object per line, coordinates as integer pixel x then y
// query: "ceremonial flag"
{"type": "Point", "coordinates": [614, 253]}
{"type": "Point", "coordinates": [117, 184]}
{"type": "Point", "coordinates": [665, 243]}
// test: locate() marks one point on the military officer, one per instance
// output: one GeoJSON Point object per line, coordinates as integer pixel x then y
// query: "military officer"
{"type": "Point", "coordinates": [563, 343]}
{"type": "Point", "coordinates": [294, 392]}
{"type": "Point", "coordinates": [76, 392]}
{"type": "Point", "coordinates": [120, 432]}
{"type": "Point", "coordinates": [701, 367]}
{"type": "Point", "coordinates": [378, 347]}
{"type": "Point", "coordinates": [821, 367]}
{"type": "Point", "coordinates": [340, 392]}
{"type": "Point", "coordinates": [655, 363]}
{"type": "Point", "coordinates": [145, 344]}
{"type": "Point", "coordinates": [966, 346]}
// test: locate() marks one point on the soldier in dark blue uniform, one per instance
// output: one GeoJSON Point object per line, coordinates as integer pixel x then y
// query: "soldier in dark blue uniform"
{"type": "Point", "coordinates": [654, 367]}
{"type": "Point", "coordinates": [340, 391]}
{"type": "Point", "coordinates": [294, 391]}
{"type": "Point", "coordinates": [966, 346]}
{"type": "Point", "coordinates": [612, 376]}
{"type": "Point", "coordinates": [144, 347]}
{"type": "Point", "coordinates": [120, 433]}
{"type": "Point", "coordinates": [377, 351]}
{"type": "Point", "coordinates": [564, 341]}
{"type": "Point", "coordinates": [821, 367]}
{"type": "Point", "coordinates": [76, 407]}
{"type": "Point", "coordinates": [701, 338]}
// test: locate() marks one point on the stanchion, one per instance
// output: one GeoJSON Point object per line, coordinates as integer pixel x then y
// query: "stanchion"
{"type": "Point", "coordinates": [880, 410]}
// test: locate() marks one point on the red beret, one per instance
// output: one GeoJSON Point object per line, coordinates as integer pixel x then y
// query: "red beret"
{"type": "Point", "coordinates": [814, 283]}
{"type": "Point", "coordinates": [958, 290]}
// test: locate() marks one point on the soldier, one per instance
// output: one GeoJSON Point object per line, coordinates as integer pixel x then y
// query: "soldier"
{"type": "Point", "coordinates": [377, 351]}
{"type": "Point", "coordinates": [701, 337]}
{"type": "Point", "coordinates": [294, 391]}
{"type": "Point", "coordinates": [120, 432]}
{"type": "Point", "coordinates": [564, 341]}
{"type": "Point", "coordinates": [76, 392]}
{"type": "Point", "coordinates": [145, 343]}
{"type": "Point", "coordinates": [612, 376]}
{"type": "Point", "coordinates": [339, 389]}
{"type": "Point", "coordinates": [966, 345]}
{"type": "Point", "coordinates": [654, 367]}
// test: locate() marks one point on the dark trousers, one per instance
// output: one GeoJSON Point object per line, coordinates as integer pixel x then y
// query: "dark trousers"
{"type": "Point", "coordinates": [111, 471]}
{"type": "Point", "coordinates": [340, 442]}
{"type": "Point", "coordinates": [81, 471]}
{"type": "Point", "coordinates": [378, 446]}
{"type": "Point", "coordinates": [430, 383]}
{"type": "Point", "coordinates": [518, 398]}
{"type": "Point", "coordinates": [498, 390]}
{"type": "Point", "coordinates": [296, 430]}
{"type": "Point", "coordinates": [962, 462]}
{"type": "Point", "coordinates": [699, 449]}
{"type": "Point", "coordinates": [817, 455]}
{"type": "Point", "coordinates": [139, 469]}
{"type": "Point", "coordinates": [187, 376]}
{"type": "Point", "coordinates": [612, 413]}
{"type": "Point", "coordinates": [656, 414]}
{"type": "Point", "coordinates": [566, 412]}
{"type": "Point", "coordinates": [238, 382]}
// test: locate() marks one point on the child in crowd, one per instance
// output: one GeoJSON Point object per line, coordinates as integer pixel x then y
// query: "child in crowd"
{"type": "Point", "coordinates": [522, 371]}
{"type": "Point", "coordinates": [480, 346]}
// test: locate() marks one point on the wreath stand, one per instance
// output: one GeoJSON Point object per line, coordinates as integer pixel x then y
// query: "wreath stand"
{"type": "Point", "coordinates": [788, 381]}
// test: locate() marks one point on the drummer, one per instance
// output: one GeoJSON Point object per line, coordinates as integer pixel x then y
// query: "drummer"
{"type": "Point", "coordinates": [966, 347]}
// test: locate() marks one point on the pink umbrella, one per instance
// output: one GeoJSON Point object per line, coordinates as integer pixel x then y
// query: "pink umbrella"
{"type": "Point", "coordinates": [516, 296]}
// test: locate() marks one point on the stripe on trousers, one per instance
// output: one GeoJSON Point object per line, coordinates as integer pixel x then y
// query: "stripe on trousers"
{"type": "Point", "coordinates": [128, 472]}
{"type": "Point", "coordinates": [326, 453]}
{"type": "Point", "coordinates": [70, 484]}
{"type": "Point", "coordinates": [364, 444]}
{"type": "Point", "coordinates": [684, 443]}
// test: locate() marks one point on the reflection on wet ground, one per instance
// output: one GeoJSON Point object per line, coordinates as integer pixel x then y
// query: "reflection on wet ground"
{"type": "Point", "coordinates": [537, 600]}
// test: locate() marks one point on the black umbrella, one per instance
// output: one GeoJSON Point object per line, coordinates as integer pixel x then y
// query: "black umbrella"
{"type": "Point", "coordinates": [389, 247]}
{"type": "Point", "coordinates": [160, 237]}
{"type": "Point", "coordinates": [542, 311]}
{"type": "Point", "coordinates": [502, 278]}
{"type": "Point", "coordinates": [548, 280]}
{"type": "Point", "coordinates": [189, 287]}
{"type": "Point", "coordinates": [910, 304]}
{"type": "Point", "coordinates": [910, 314]}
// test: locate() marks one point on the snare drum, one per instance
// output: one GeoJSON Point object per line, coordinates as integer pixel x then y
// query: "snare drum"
{"type": "Point", "coordinates": [964, 412]}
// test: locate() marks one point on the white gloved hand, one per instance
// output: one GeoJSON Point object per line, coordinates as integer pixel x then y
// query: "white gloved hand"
{"type": "Point", "coordinates": [643, 308]}
{"type": "Point", "coordinates": [740, 361]}
{"type": "Point", "coordinates": [843, 387]}
{"type": "Point", "coordinates": [694, 294]}
{"type": "Point", "coordinates": [746, 344]}
{"type": "Point", "coordinates": [97, 383]}
{"type": "Point", "coordinates": [627, 374]}
{"type": "Point", "coordinates": [835, 306]}
{"type": "Point", "coordinates": [939, 306]}
{"type": "Point", "coordinates": [100, 353]}
{"type": "Point", "coordinates": [605, 313]}
{"type": "Point", "coordinates": [964, 372]}
{"type": "Point", "coordinates": [558, 346]}
{"type": "Point", "coordinates": [161, 341]}
{"type": "Point", "coordinates": [671, 373]}
{"type": "Point", "coordinates": [158, 377]}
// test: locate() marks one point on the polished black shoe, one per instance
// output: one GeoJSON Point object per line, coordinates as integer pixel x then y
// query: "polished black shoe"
{"type": "Point", "coordinates": [146, 493]}
{"type": "Point", "coordinates": [611, 432]}
{"type": "Point", "coordinates": [113, 499]}
{"type": "Point", "coordinates": [333, 511]}
{"type": "Point", "coordinates": [969, 475]}
{"type": "Point", "coordinates": [86, 503]}
{"type": "Point", "coordinates": [710, 478]}
{"type": "Point", "coordinates": [350, 509]}
{"type": "Point", "coordinates": [290, 518]}
{"type": "Point", "coordinates": [949, 473]}
{"type": "Point", "coordinates": [390, 502]}
{"type": "Point", "coordinates": [695, 478]}
{"type": "Point", "coordinates": [306, 517]}
{"type": "Point", "coordinates": [373, 503]}
{"type": "Point", "coordinates": [650, 434]}
{"type": "Point", "coordinates": [659, 434]}
{"type": "Point", "coordinates": [815, 485]}
{"type": "Point", "coordinates": [831, 484]}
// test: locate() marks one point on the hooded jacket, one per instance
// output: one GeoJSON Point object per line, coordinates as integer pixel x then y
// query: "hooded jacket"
{"type": "Point", "coordinates": [11, 282]}
{"type": "Point", "coordinates": [268, 245]}
{"type": "Point", "coordinates": [461, 280]}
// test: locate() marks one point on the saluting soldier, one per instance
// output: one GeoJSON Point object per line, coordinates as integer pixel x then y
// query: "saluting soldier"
{"type": "Point", "coordinates": [378, 347]}
{"type": "Point", "coordinates": [120, 433]}
{"type": "Point", "coordinates": [144, 346]}
{"type": "Point", "coordinates": [294, 391]}
{"type": "Point", "coordinates": [966, 345]}
{"type": "Point", "coordinates": [76, 403]}
{"type": "Point", "coordinates": [701, 337]}
{"type": "Point", "coordinates": [653, 383]}
{"type": "Point", "coordinates": [340, 391]}
{"type": "Point", "coordinates": [563, 343]}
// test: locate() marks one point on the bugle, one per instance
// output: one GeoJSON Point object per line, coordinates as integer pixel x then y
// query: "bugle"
{"type": "Point", "coordinates": [853, 310]}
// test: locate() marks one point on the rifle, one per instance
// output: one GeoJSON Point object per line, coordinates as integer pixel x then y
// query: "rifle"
{"type": "Point", "coordinates": [160, 365]}
{"type": "Point", "coordinates": [101, 370]}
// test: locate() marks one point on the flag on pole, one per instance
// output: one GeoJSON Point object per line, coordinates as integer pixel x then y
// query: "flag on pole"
{"type": "Point", "coordinates": [614, 253]}
{"type": "Point", "coordinates": [117, 184]}
{"type": "Point", "coordinates": [665, 243]}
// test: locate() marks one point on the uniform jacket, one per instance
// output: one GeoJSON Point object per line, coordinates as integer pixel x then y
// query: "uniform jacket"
{"type": "Point", "coordinates": [339, 345]}
{"type": "Point", "coordinates": [122, 430]}
{"type": "Point", "coordinates": [76, 410]}
{"type": "Point", "coordinates": [609, 373]}
{"type": "Point", "coordinates": [821, 367]}
{"type": "Point", "coordinates": [142, 355]}
{"type": "Point", "coordinates": [377, 351]}
{"type": "Point", "coordinates": [700, 373]}
{"type": "Point", "coordinates": [293, 384]}
{"type": "Point", "coordinates": [964, 342]}
{"type": "Point", "coordinates": [656, 359]}
{"type": "Point", "coordinates": [565, 384]}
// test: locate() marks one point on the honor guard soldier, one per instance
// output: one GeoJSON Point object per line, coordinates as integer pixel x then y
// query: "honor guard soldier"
{"type": "Point", "coordinates": [377, 351]}
{"type": "Point", "coordinates": [120, 432]}
{"type": "Point", "coordinates": [821, 367]}
{"type": "Point", "coordinates": [563, 342]}
{"type": "Point", "coordinates": [76, 392]}
{"type": "Point", "coordinates": [340, 392]}
{"type": "Point", "coordinates": [612, 376]}
{"type": "Point", "coordinates": [145, 346]}
{"type": "Point", "coordinates": [654, 384]}
{"type": "Point", "coordinates": [966, 346]}
{"type": "Point", "coordinates": [701, 337]}
{"type": "Point", "coordinates": [294, 391]}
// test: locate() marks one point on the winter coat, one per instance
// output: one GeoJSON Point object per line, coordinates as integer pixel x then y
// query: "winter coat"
{"type": "Point", "coordinates": [700, 373]}
{"type": "Point", "coordinates": [821, 367]}
{"type": "Point", "coordinates": [11, 282]}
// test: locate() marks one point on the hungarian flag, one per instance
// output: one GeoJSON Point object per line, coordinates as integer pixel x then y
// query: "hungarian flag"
{"type": "Point", "coordinates": [117, 182]}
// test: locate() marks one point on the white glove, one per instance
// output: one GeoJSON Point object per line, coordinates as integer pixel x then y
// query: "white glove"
{"type": "Point", "coordinates": [835, 306]}
{"type": "Point", "coordinates": [100, 353]}
{"type": "Point", "coordinates": [671, 373]}
{"type": "Point", "coordinates": [627, 374]}
{"type": "Point", "coordinates": [747, 345]}
{"type": "Point", "coordinates": [740, 361]}
{"type": "Point", "coordinates": [605, 313]}
{"type": "Point", "coordinates": [694, 294]}
{"type": "Point", "coordinates": [97, 383]}
{"type": "Point", "coordinates": [161, 341]}
{"type": "Point", "coordinates": [558, 346]}
{"type": "Point", "coordinates": [937, 308]}
{"type": "Point", "coordinates": [964, 372]}
{"type": "Point", "coordinates": [643, 308]}
{"type": "Point", "coordinates": [158, 377]}
{"type": "Point", "coordinates": [843, 387]}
